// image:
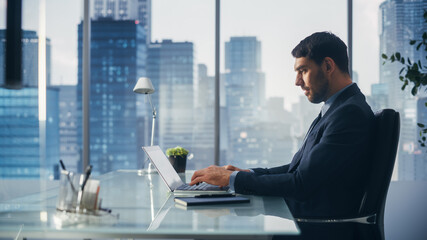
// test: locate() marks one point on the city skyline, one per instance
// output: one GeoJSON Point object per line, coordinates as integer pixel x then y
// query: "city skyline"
{"type": "Point", "coordinates": [175, 22]}
{"type": "Point", "coordinates": [244, 114]}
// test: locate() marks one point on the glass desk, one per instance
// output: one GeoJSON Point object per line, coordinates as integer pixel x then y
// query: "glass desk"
{"type": "Point", "coordinates": [142, 207]}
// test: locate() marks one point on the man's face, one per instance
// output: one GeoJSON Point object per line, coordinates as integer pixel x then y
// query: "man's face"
{"type": "Point", "coordinates": [312, 80]}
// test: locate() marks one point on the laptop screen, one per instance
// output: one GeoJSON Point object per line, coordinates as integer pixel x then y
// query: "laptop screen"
{"type": "Point", "coordinates": [163, 166]}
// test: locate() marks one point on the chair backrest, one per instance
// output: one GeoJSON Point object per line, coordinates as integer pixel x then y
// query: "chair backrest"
{"type": "Point", "coordinates": [385, 142]}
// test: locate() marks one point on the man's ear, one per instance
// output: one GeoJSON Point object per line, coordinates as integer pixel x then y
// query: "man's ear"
{"type": "Point", "coordinates": [329, 65]}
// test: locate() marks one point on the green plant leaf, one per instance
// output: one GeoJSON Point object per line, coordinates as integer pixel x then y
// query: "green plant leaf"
{"type": "Point", "coordinates": [401, 70]}
{"type": "Point", "coordinates": [402, 60]}
{"type": "Point", "coordinates": [384, 56]}
{"type": "Point", "coordinates": [414, 91]}
{"type": "Point", "coordinates": [404, 86]}
{"type": "Point", "coordinates": [177, 151]}
{"type": "Point", "coordinates": [397, 56]}
{"type": "Point", "coordinates": [412, 42]}
{"type": "Point", "coordinates": [392, 58]}
{"type": "Point", "coordinates": [419, 45]}
{"type": "Point", "coordinates": [409, 61]}
{"type": "Point", "coordinates": [420, 125]}
{"type": "Point", "coordinates": [424, 139]}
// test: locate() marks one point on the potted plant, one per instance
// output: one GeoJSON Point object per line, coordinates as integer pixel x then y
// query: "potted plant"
{"type": "Point", "coordinates": [178, 158]}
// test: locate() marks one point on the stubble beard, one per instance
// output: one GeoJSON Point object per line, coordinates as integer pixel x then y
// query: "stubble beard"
{"type": "Point", "coordinates": [322, 86]}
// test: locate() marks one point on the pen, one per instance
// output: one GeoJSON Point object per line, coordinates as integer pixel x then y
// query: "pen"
{"type": "Point", "coordinates": [62, 165]}
{"type": "Point", "coordinates": [87, 174]}
{"type": "Point", "coordinates": [68, 174]}
{"type": "Point", "coordinates": [215, 195]}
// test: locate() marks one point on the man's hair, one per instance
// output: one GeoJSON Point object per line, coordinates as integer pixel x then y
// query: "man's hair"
{"type": "Point", "coordinates": [323, 44]}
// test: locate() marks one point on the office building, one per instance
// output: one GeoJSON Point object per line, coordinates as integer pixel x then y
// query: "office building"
{"type": "Point", "coordinates": [68, 121]}
{"type": "Point", "coordinates": [244, 92]}
{"type": "Point", "coordinates": [268, 141]}
{"type": "Point", "coordinates": [379, 98]}
{"type": "Point", "coordinates": [304, 113]}
{"type": "Point", "coordinates": [30, 47]}
{"type": "Point", "coordinates": [24, 152]}
{"type": "Point", "coordinates": [204, 117]}
{"type": "Point", "coordinates": [396, 30]}
{"type": "Point", "coordinates": [355, 77]}
{"type": "Point", "coordinates": [170, 66]}
{"type": "Point", "coordinates": [139, 10]}
{"type": "Point", "coordinates": [118, 54]}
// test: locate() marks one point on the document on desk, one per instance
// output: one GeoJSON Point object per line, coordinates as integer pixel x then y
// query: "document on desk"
{"type": "Point", "coordinates": [194, 201]}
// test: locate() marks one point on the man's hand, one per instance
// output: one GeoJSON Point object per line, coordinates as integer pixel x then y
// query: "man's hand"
{"type": "Point", "coordinates": [213, 175]}
{"type": "Point", "coordinates": [233, 168]}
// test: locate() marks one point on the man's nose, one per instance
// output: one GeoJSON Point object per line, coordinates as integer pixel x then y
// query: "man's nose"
{"type": "Point", "coordinates": [298, 80]}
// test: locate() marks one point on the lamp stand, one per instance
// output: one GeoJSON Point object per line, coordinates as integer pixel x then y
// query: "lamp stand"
{"type": "Point", "coordinates": [150, 168]}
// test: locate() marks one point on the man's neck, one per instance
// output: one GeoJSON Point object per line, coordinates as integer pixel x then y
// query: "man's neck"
{"type": "Point", "coordinates": [340, 82]}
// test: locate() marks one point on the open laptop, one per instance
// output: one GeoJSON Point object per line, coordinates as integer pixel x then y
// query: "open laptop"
{"type": "Point", "coordinates": [172, 179]}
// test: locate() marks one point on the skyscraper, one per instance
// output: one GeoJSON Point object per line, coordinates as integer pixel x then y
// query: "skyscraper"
{"type": "Point", "coordinates": [203, 125]}
{"type": "Point", "coordinates": [118, 53]}
{"type": "Point", "coordinates": [139, 10]}
{"type": "Point", "coordinates": [245, 94]}
{"type": "Point", "coordinates": [170, 66]}
{"type": "Point", "coordinates": [400, 22]}
{"type": "Point", "coordinates": [30, 46]}
{"type": "Point", "coordinates": [68, 121]}
{"type": "Point", "coordinates": [23, 151]}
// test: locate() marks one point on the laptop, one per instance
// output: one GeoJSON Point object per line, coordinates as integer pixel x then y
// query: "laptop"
{"type": "Point", "coordinates": [172, 179]}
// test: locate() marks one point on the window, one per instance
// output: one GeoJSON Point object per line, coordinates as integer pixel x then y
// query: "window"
{"type": "Point", "coordinates": [264, 116]}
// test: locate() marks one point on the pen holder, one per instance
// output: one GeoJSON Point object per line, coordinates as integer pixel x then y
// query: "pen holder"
{"type": "Point", "coordinates": [71, 197]}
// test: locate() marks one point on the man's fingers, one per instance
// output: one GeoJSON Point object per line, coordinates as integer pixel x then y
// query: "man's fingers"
{"type": "Point", "coordinates": [196, 174]}
{"type": "Point", "coordinates": [195, 181]}
{"type": "Point", "coordinates": [229, 167]}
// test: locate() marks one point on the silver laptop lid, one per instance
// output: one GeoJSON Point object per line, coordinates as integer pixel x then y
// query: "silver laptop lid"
{"type": "Point", "coordinates": [163, 166]}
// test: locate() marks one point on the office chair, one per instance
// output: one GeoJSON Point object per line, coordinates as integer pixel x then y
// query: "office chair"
{"type": "Point", "coordinates": [370, 219]}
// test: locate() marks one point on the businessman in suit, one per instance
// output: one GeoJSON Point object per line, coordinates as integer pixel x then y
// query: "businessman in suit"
{"type": "Point", "coordinates": [326, 176]}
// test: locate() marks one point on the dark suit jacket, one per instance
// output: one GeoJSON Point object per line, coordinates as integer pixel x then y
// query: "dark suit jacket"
{"type": "Point", "coordinates": [327, 175]}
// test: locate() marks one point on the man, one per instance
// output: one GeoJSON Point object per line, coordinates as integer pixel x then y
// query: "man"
{"type": "Point", "coordinates": [326, 176]}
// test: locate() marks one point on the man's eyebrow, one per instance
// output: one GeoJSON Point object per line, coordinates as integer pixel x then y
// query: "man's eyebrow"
{"type": "Point", "coordinates": [299, 67]}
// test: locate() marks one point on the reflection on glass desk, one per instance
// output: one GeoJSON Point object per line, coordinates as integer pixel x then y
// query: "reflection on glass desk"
{"type": "Point", "coordinates": [142, 207]}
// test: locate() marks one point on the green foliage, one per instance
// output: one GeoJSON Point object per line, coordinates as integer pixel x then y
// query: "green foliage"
{"type": "Point", "coordinates": [177, 151]}
{"type": "Point", "coordinates": [413, 72]}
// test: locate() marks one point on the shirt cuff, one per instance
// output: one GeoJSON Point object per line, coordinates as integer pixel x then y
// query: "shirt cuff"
{"type": "Point", "coordinates": [232, 179]}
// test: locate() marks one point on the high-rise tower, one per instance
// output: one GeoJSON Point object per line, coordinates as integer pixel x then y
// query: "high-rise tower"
{"type": "Point", "coordinates": [400, 22]}
{"type": "Point", "coordinates": [139, 10]}
{"type": "Point", "coordinates": [245, 93]}
{"type": "Point", "coordinates": [118, 53]}
{"type": "Point", "coordinates": [170, 66]}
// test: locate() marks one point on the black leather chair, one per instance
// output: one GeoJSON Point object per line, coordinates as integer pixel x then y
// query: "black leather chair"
{"type": "Point", "coordinates": [370, 219]}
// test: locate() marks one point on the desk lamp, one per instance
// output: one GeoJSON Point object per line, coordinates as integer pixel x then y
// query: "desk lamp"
{"type": "Point", "coordinates": [144, 86]}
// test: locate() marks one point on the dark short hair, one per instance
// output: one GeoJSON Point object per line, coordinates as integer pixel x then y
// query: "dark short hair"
{"type": "Point", "coordinates": [323, 44]}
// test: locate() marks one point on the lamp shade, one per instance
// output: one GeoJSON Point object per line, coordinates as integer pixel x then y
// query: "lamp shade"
{"type": "Point", "coordinates": [144, 86]}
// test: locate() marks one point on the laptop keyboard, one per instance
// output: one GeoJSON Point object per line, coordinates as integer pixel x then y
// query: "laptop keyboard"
{"type": "Point", "coordinates": [202, 186]}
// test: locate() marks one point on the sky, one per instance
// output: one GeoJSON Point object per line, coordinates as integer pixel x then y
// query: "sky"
{"type": "Point", "coordinates": [278, 24]}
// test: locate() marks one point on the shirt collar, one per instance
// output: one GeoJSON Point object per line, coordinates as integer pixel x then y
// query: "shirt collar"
{"type": "Point", "coordinates": [331, 100]}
